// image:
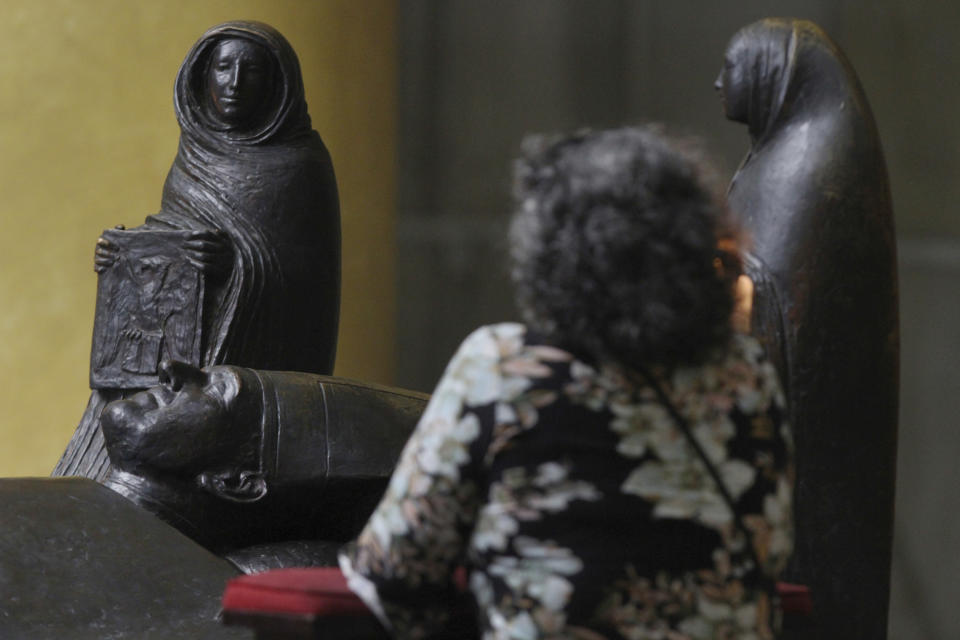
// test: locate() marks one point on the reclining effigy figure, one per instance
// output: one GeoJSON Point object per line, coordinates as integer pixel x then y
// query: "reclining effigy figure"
{"type": "Point", "coordinates": [266, 468]}
{"type": "Point", "coordinates": [813, 193]}
{"type": "Point", "coordinates": [263, 469]}
{"type": "Point", "coordinates": [242, 263]}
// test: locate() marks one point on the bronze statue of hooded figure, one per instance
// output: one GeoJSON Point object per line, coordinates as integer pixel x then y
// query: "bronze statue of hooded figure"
{"type": "Point", "coordinates": [254, 184]}
{"type": "Point", "coordinates": [814, 195]}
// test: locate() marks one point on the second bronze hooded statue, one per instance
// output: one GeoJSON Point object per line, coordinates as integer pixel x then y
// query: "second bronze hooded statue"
{"type": "Point", "coordinates": [241, 265]}
{"type": "Point", "coordinates": [814, 195]}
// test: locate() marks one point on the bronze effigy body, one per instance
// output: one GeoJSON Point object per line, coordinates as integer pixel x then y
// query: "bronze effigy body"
{"type": "Point", "coordinates": [814, 195]}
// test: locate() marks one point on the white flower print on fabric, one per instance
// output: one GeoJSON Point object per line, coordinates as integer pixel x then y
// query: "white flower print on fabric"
{"type": "Point", "coordinates": [743, 378]}
{"type": "Point", "coordinates": [520, 497]}
{"type": "Point", "coordinates": [483, 428]}
{"type": "Point", "coordinates": [439, 445]}
{"type": "Point", "coordinates": [671, 608]}
{"type": "Point", "coordinates": [518, 402]}
{"type": "Point", "coordinates": [534, 571]}
{"type": "Point", "coordinates": [672, 477]}
{"type": "Point", "coordinates": [363, 588]}
{"type": "Point", "coordinates": [685, 489]}
{"type": "Point", "coordinates": [595, 389]}
{"type": "Point", "coordinates": [536, 576]}
{"type": "Point", "coordinates": [772, 531]}
{"type": "Point", "coordinates": [413, 535]}
{"type": "Point", "coordinates": [646, 426]}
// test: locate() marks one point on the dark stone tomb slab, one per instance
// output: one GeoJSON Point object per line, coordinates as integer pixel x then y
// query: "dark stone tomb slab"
{"type": "Point", "coordinates": [79, 561]}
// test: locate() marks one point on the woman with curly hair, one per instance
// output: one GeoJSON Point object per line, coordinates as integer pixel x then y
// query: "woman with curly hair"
{"type": "Point", "coordinates": [618, 466]}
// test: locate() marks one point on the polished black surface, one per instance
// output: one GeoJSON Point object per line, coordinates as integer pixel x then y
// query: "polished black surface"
{"type": "Point", "coordinates": [79, 561]}
{"type": "Point", "coordinates": [814, 196]}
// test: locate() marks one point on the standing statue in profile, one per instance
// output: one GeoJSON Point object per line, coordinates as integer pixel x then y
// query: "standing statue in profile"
{"type": "Point", "coordinates": [813, 193]}
{"type": "Point", "coordinates": [241, 265]}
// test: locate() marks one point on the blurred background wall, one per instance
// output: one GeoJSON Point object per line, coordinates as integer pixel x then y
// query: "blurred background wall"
{"type": "Point", "coordinates": [87, 135]}
{"type": "Point", "coordinates": [477, 75]}
{"type": "Point", "coordinates": [427, 100]}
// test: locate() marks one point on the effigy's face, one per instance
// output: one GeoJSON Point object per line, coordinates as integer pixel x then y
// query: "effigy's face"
{"type": "Point", "coordinates": [239, 79]}
{"type": "Point", "coordinates": [733, 84]}
{"type": "Point", "coordinates": [182, 424]}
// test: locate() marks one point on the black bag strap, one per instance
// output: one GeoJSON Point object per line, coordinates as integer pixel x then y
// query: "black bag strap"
{"type": "Point", "coordinates": [684, 426]}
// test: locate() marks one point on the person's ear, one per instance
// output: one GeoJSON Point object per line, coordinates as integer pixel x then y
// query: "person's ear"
{"type": "Point", "coordinates": [234, 486]}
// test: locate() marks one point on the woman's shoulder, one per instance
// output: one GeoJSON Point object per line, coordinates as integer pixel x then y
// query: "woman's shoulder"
{"type": "Point", "coordinates": [510, 334]}
{"type": "Point", "coordinates": [507, 341]}
{"type": "Point", "coordinates": [742, 372]}
{"type": "Point", "coordinates": [516, 356]}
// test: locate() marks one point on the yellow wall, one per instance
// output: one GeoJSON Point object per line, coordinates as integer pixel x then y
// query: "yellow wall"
{"type": "Point", "coordinates": [87, 134]}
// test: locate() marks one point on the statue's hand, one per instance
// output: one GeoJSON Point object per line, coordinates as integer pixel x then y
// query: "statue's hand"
{"type": "Point", "coordinates": [210, 252]}
{"type": "Point", "coordinates": [106, 253]}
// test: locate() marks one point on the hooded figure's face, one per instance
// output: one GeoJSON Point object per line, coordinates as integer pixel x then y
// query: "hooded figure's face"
{"type": "Point", "coordinates": [240, 81]}
{"type": "Point", "coordinates": [757, 74]}
{"type": "Point", "coordinates": [733, 83]}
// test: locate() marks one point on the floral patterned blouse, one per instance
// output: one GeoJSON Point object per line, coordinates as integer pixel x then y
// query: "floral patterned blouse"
{"type": "Point", "coordinates": [576, 503]}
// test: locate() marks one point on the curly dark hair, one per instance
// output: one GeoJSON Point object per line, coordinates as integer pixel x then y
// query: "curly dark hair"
{"type": "Point", "coordinates": [623, 248]}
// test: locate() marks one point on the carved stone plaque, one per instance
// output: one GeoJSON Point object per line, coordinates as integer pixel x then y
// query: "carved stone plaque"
{"type": "Point", "coordinates": [149, 306]}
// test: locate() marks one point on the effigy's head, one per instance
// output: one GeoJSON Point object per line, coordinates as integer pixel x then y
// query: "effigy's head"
{"type": "Point", "coordinates": [194, 421]}
{"type": "Point", "coordinates": [733, 82]}
{"type": "Point", "coordinates": [240, 77]}
{"type": "Point", "coordinates": [241, 83]}
{"type": "Point", "coordinates": [756, 71]}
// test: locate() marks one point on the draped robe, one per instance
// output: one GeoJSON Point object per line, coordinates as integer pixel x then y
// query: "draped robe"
{"type": "Point", "coordinates": [814, 195]}
{"type": "Point", "coordinates": [271, 189]}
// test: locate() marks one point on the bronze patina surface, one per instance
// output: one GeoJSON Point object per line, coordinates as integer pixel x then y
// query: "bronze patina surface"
{"type": "Point", "coordinates": [247, 269]}
{"type": "Point", "coordinates": [814, 196]}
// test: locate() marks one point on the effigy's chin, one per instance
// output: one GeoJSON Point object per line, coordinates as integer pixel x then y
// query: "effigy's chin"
{"type": "Point", "coordinates": [121, 423]}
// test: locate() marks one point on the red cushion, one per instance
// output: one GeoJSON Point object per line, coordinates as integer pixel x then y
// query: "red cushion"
{"type": "Point", "coordinates": [323, 591]}
{"type": "Point", "coordinates": [795, 599]}
{"type": "Point", "coordinates": [316, 591]}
